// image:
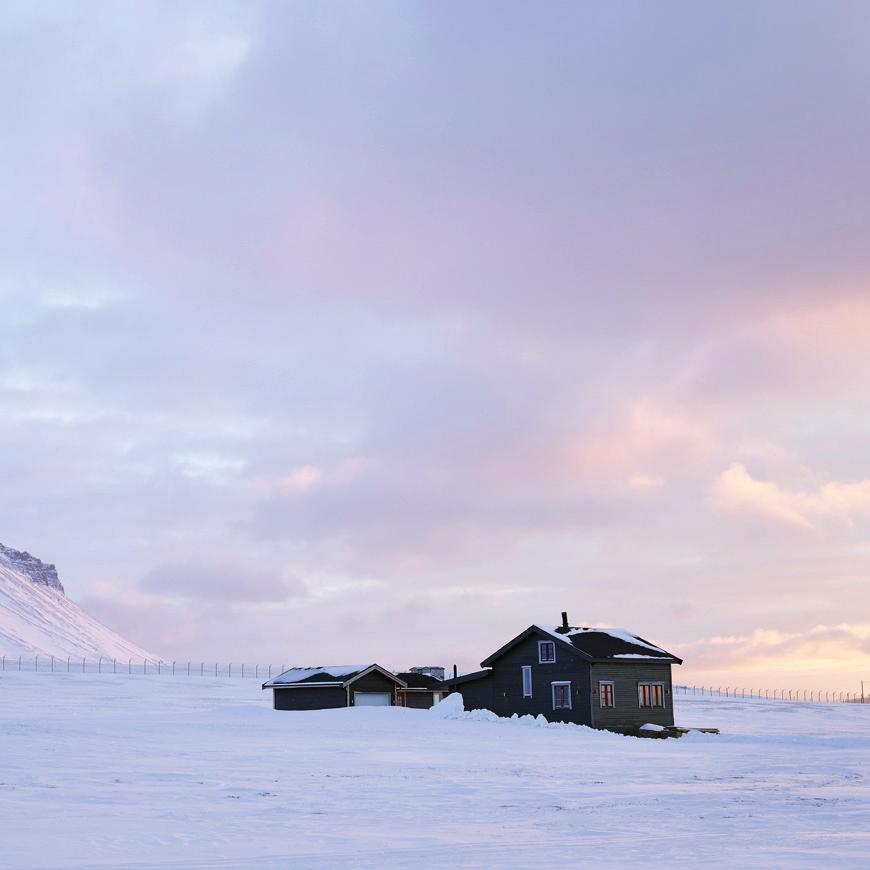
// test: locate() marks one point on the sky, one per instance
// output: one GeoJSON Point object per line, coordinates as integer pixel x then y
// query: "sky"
{"type": "Point", "coordinates": [380, 331]}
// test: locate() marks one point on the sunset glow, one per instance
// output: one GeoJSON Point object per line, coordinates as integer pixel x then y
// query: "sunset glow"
{"type": "Point", "coordinates": [387, 330]}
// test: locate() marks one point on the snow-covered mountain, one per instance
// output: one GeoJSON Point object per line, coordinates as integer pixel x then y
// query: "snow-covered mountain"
{"type": "Point", "coordinates": [36, 617]}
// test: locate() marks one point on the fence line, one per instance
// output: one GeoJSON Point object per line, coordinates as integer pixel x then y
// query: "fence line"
{"type": "Point", "coordinates": [814, 696]}
{"type": "Point", "coordinates": [245, 670]}
{"type": "Point", "coordinates": [131, 667]}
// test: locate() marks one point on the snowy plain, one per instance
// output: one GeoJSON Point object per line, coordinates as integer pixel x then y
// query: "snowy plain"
{"type": "Point", "coordinates": [149, 771]}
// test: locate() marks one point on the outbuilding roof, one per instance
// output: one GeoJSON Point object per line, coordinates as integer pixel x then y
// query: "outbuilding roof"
{"type": "Point", "coordinates": [326, 675]}
{"type": "Point", "coordinates": [467, 678]}
{"type": "Point", "coordinates": [598, 644]}
{"type": "Point", "coordinates": [420, 681]}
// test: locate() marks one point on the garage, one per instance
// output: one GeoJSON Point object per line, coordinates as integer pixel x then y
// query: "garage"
{"type": "Point", "coordinates": [328, 687]}
{"type": "Point", "coordinates": [372, 699]}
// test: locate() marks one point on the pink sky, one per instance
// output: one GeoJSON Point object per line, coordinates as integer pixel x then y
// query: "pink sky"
{"type": "Point", "coordinates": [350, 332]}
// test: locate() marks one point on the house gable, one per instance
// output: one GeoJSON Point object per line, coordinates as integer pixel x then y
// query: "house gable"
{"type": "Point", "coordinates": [533, 630]}
{"type": "Point", "coordinates": [518, 666]}
{"type": "Point", "coordinates": [371, 671]}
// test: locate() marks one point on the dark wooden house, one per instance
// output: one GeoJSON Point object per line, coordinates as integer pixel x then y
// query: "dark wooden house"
{"type": "Point", "coordinates": [602, 677]}
{"type": "Point", "coordinates": [327, 687]}
{"type": "Point", "coordinates": [421, 691]}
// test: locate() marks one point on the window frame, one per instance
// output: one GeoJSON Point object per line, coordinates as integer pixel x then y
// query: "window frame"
{"type": "Point", "coordinates": [541, 659]}
{"type": "Point", "coordinates": [561, 683]}
{"type": "Point", "coordinates": [655, 687]}
{"type": "Point", "coordinates": [612, 685]}
{"type": "Point", "coordinates": [527, 675]}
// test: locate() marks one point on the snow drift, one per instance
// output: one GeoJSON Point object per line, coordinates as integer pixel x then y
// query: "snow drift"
{"type": "Point", "coordinates": [36, 617]}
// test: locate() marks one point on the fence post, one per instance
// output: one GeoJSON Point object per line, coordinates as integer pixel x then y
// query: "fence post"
{"type": "Point", "coordinates": [114, 666]}
{"type": "Point", "coordinates": [201, 667]}
{"type": "Point", "coordinates": [36, 663]}
{"type": "Point", "coordinates": [243, 670]}
{"type": "Point", "coordinates": [83, 664]}
{"type": "Point", "coordinates": [144, 666]}
{"type": "Point", "coordinates": [188, 669]}
{"type": "Point", "coordinates": [100, 665]}
{"type": "Point", "coordinates": [215, 668]}
{"type": "Point", "coordinates": [19, 663]}
{"type": "Point", "coordinates": [158, 666]}
{"type": "Point", "coordinates": [256, 672]}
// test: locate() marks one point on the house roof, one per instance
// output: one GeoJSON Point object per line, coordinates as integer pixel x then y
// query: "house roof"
{"type": "Point", "coordinates": [420, 681]}
{"type": "Point", "coordinates": [596, 644]}
{"type": "Point", "coordinates": [467, 678]}
{"type": "Point", "coordinates": [326, 675]}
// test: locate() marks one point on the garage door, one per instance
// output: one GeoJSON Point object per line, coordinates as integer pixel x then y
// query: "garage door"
{"type": "Point", "coordinates": [371, 699]}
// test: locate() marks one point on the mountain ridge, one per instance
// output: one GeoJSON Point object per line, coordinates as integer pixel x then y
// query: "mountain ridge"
{"type": "Point", "coordinates": [37, 618]}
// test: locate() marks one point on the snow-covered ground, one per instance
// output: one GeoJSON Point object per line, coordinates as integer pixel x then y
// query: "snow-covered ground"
{"type": "Point", "coordinates": [190, 772]}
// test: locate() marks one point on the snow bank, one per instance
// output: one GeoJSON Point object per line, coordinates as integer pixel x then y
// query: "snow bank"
{"type": "Point", "coordinates": [448, 708]}
{"type": "Point", "coordinates": [452, 708]}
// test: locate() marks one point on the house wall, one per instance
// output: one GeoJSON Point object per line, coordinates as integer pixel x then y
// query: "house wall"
{"type": "Point", "coordinates": [476, 694]}
{"type": "Point", "coordinates": [374, 682]}
{"type": "Point", "coordinates": [627, 712]}
{"type": "Point", "coordinates": [324, 698]}
{"type": "Point", "coordinates": [507, 682]}
{"type": "Point", "coordinates": [418, 700]}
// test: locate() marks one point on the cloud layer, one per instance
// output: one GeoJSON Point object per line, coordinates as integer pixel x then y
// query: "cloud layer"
{"type": "Point", "coordinates": [387, 331]}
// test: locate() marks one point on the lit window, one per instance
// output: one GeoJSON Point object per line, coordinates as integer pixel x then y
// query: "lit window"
{"type": "Point", "coordinates": [651, 694]}
{"type": "Point", "coordinates": [561, 696]}
{"type": "Point", "coordinates": [527, 681]}
{"type": "Point", "coordinates": [605, 694]}
{"type": "Point", "coordinates": [546, 651]}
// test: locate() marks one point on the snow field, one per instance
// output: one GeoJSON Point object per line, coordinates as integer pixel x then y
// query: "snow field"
{"type": "Point", "coordinates": [100, 771]}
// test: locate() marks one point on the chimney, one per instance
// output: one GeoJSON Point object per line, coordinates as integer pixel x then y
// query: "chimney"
{"type": "Point", "coordinates": [455, 672]}
{"type": "Point", "coordinates": [565, 619]}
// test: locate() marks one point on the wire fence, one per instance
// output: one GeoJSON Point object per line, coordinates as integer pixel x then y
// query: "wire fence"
{"type": "Point", "coordinates": [242, 670]}
{"type": "Point", "coordinates": [75, 665]}
{"type": "Point", "coordinates": [810, 696]}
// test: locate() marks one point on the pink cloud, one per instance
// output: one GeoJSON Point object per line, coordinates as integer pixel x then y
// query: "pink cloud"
{"type": "Point", "coordinates": [735, 491]}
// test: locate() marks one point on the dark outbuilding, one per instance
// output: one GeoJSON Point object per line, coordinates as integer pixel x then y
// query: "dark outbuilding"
{"type": "Point", "coordinates": [329, 687]}
{"type": "Point", "coordinates": [421, 691]}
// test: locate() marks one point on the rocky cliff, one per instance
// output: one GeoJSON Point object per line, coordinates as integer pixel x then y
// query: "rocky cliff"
{"type": "Point", "coordinates": [34, 569]}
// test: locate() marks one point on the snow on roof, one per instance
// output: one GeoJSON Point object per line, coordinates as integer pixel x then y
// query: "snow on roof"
{"type": "Point", "coordinates": [572, 635]}
{"type": "Point", "coordinates": [322, 673]}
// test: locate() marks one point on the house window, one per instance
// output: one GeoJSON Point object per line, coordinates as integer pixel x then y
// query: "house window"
{"type": "Point", "coordinates": [527, 681]}
{"type": "Point", "coordinates": [605, 693]}
{"type": "Point", "coordinates": [546, 651]}
{"type": "Point", "coordinates": [561, 696]}
{"type": "Point", "coordinates": [651, 694]}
